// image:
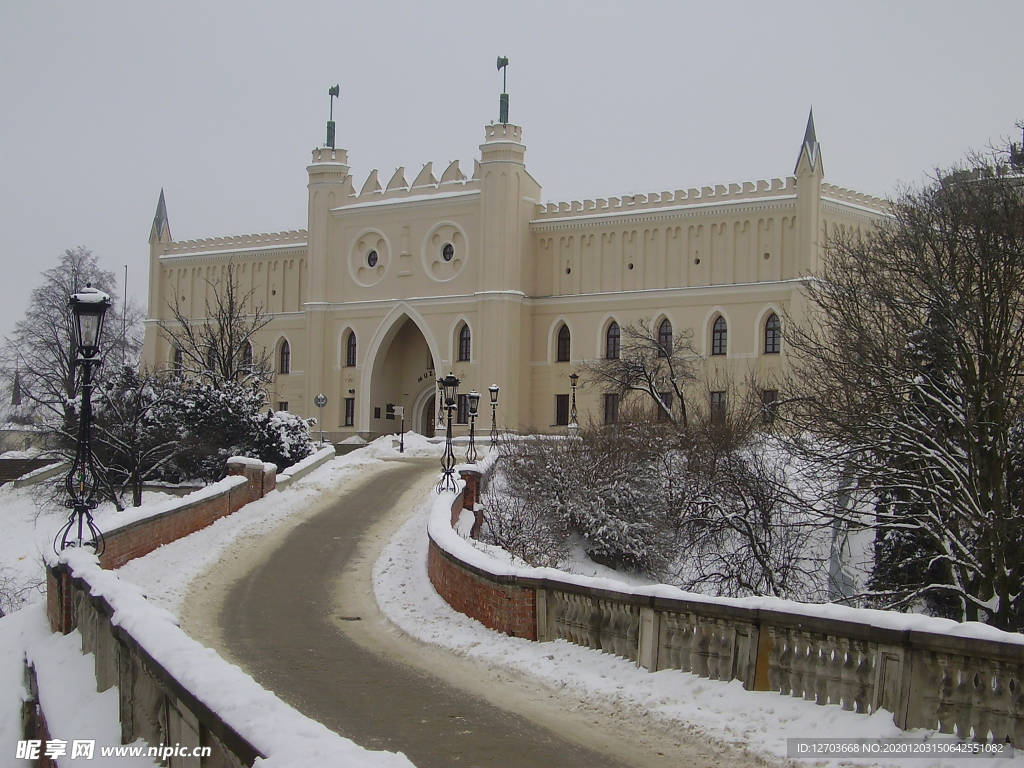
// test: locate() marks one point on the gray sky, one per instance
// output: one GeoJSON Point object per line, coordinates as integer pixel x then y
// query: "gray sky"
{"type": "Point", "coordinates": [103, 103]}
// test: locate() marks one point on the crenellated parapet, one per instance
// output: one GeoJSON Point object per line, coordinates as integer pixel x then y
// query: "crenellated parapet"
{"type": "Point", "coordinates": [852, 197]}
{"type": "Point", "coordinates": [707, 195]}
{"type": "Point", "coordinates": [263, 241]}
{"type": "Point", "coordinates": [425, 183]}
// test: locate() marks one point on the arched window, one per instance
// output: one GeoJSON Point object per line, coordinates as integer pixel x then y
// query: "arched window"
{"type": "Point", "coordinates": [285, 361]}
{"type": "Point", "coordinates": [247, 356]}
{"type": "Point", "coordinates": [564, 344]}
{"type": "Point", "coordinates": [665, 338]}
{"type": "Point", "coordinates": [350, 350]}
{"type": "Point", "coordinates": [611, 342]}
{"type": "Point", "coordinates": [465, 343]}
{"type": "Point", "coordinates": [772, 335]}
{"type": "Point", "coordinates": [719, 337]}
{"type": "Point", "coordinates": [178, 363]}
{"type": "Point", "coordinates": [211, 358]}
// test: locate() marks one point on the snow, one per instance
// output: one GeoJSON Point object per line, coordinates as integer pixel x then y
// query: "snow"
{"type": "Point", "coordinates": [758, 721]}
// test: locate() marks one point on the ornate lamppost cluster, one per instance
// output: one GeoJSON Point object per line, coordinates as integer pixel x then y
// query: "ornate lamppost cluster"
{"type": "Point", "coordinates": [447, 395]}
{"type": "Point", "coordinates": [88, 308]}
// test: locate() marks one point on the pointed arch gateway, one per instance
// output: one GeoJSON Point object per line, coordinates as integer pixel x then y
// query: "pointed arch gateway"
{"type": "Point", "coordinates": [399, 369]}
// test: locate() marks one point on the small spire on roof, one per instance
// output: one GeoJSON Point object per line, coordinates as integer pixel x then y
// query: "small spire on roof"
{"type": "Point", "coordinates": [809, 138]}
{"type": "Point", "coordinates": [809, 145]}
{"type": "Point", "coordinates": [160, 223]}
{"type": "Point", "coordinates": [16, 388]}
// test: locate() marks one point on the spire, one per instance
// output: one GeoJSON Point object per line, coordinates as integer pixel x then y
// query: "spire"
{"type": "Point", "coordinates": [160, 223]}
{"type": "Point", "coordinates": [810, 146]}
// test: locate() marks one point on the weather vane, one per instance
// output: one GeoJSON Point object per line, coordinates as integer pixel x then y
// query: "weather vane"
{"type": "Point", "coordinates": [333, 91]}
{"type": "Point", "coordinates": [503, 106]}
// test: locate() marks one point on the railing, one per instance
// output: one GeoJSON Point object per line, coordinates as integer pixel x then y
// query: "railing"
{"type": "Point", "coordinates": [962, 679]}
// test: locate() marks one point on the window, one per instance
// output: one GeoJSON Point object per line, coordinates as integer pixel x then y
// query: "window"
{"type": "Point", "coordinates": [371, 259]}
{"type": "Point", "coordinates": [719, 337]}
{"type": "Point", "coordinates": [666, 398]}
{"type": "Point", "coordinates": [350, 411]}
{"type": "Point", "coordinates": [465, 343]}
{"type": "Point", "coordinates": [462, 415]}
{"type": "Point", "coordinates": [718, 406]}
{"type": "Point", "coordinates": [247, 357]}
{"type": "Point", "coordinates": [179, 362]}
{"type": "Point", "coordinates": [769, 405]}
{"type": "Point", "coordinates": [665, 338]}
{"type": "Point", "coordinates": [448, 252]}
{"type": "Point", "coordinates": [561, 410]}
{"type": "Point", "coordinates": [564, 344]}
{"type": "Point", "coordinates": [611, 342]}
{"type": "Point", "coordinates": [611, 408]}
{"type": "Point", "coordinates": [285, 365]}
{"type": "Point", "coordinates": [282, 405]}
{"type": "Point", "coordinates": [772, 335]}
{"type": "Point", "coordinates": [211, 359]}
{"type": "Point", "coordinates": [350, 350]}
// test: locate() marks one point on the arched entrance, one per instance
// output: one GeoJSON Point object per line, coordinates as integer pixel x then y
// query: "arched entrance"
{"type": "Point", "coordinates": [428, 417]}
{"type": "Point", "coordinates": [402, 374]}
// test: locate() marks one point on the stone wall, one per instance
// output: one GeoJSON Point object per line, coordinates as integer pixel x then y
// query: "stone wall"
{"type": "Point", "coordinates": [966, 680]}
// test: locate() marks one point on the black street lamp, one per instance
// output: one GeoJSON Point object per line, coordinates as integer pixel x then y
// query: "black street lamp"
{"type": "Point", "coordinates": [88, 308]}
{"type": "Point", "coordinates": [449, 386]}
{"type": "Point", "coordinates": [493, 389]}
{"type": "Point", "coordinates": [473, 399]}
{"type": "Point", "coordinates": [574, 426]}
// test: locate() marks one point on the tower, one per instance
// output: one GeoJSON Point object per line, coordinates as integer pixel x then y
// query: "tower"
{"type": "Point", "coordinates": [159, 240]}
{"type": "Point", "coordinates": [809, 172]}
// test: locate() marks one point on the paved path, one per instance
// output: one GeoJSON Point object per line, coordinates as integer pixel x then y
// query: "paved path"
{"type": "Point", "coordinates": [280, 624]}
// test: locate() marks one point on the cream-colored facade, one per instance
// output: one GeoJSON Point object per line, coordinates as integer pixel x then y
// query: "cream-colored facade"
{"type": "Point", "coordinates": [404, 267]}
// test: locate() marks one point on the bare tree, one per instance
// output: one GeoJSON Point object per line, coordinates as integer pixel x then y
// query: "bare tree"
{"type": "Point", "coordinates": [220, 347]}
{"type": "Point", "coordinates": [41, 350]}
{"type": "Point", "coordinates": [657, 368]}
{"type": "Point", "coordinates": [908, 370]}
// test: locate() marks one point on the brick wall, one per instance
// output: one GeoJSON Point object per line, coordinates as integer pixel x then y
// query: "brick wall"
{"type": "Point", "coordinates": [143, 536]}
{"type": "Point", "coordinates": [497, 603]}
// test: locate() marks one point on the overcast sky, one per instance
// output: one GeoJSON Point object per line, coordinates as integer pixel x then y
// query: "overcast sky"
{"type": "Point", "coordinates": [102, 104]}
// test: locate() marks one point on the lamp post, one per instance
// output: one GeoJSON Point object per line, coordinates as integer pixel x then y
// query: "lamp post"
{"type": "Point", "coordinates": [88, 308]}
{"type": "Point", "coordinates": [473, 400]}
{"type": "Point", "coordinates": [449, 386]}
{"type": "Point", "coordinates": [400, 413]}
{"type": "Point", "coordinates": [573, 426]}
{"type": "Point", "coordinates": [493, 389]}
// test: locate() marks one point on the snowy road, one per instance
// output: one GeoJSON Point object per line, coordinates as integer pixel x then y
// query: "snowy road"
{"type": "Point", "coordinates": [299, 615]}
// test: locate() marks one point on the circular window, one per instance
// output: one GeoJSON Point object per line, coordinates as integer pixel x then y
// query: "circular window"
{"type": "Point", "coordinates": [448, 252]}
{"type": "Point", "coordinates": [371, 259]}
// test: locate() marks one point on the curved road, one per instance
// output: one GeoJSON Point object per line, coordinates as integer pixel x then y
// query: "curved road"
{"type": "Point", "coordinates": [283, 629]}
{"type": "Point", "coordinates": [283, 622]}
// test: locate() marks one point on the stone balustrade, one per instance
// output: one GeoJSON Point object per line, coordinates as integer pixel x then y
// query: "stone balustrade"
{"type": "Point", "coordinates": [962, 679]}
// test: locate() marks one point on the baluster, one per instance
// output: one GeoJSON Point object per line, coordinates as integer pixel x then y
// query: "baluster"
{"type": "Point", "coordinates": [726, 650]}
{"type": "Point", "coordinates": [606, 626]}
{"type": "Point", "coordinates": [981, 700]}
{"type": "Point", "coordinates": [836, 658]}
{"type": "Point", "coordinates": [1017, 708]}
{"type": "Point", "coordinates": [796, 676]}
{"type": "Point", "coordinates": [784, 645]}
{"type": "Point", "coordinates": [594, 619]}
{"type": "Point", "coordinates": [811, 666]}
{"type": "Point", "coordinates": [865, 667]}
{"type": "Point", "coordinates": [699, 650]}
{"type": "Point", "coordinates": [848, 674]}
{"type": "Point", "coordinates": [963, 694]}
{"type": "Point", "coordinates": [633, 634]}
{"type": "Point", "coordinates": [558, 609]}
{"type": "Point", "coordinates": [944, 710]}
{"type": "Point", "coordinates": [670, 628]}
{"type": "Point", "coordinates": [687, 625]}
{"type": "Point", "coordinates": [714, 641]}
{"type": "Point", "coordinates": [822, 676]}
{"type": "Point", "coordinates": [571, 617]}
{"type": "Point", "coordinates": [931, 688]}
{"type": "Point", "coordinates": [999, 722]}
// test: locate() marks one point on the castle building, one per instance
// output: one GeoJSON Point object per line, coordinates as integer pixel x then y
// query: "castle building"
{"type": "Point", "coordinates": [390, 287]}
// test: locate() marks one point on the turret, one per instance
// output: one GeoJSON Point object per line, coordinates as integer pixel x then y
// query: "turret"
{"type": "Point", "coordinates": [809, 172]}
